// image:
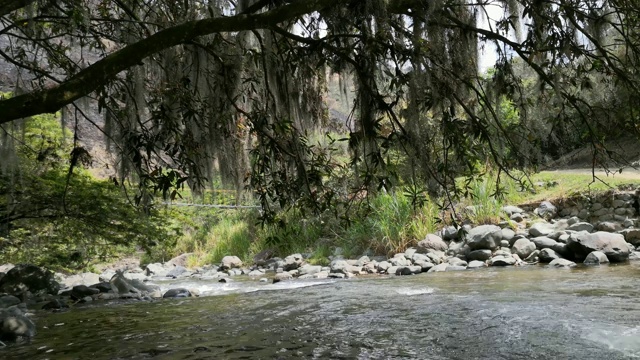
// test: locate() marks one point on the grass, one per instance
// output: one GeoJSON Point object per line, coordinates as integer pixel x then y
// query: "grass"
{"type": "Point", "coordinates": [389, 225]}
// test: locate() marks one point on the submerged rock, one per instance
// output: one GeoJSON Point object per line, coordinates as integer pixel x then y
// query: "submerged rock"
{"type": "Point", "coordinates": [562, 263]}
{"type": "Point", "coordinates": [14, 324]}
{"type": "Point", "coordinates": [177, 293]}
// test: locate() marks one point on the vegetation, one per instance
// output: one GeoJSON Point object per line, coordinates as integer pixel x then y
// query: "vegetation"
{"type": "Point", "coordinates": [193, 94]}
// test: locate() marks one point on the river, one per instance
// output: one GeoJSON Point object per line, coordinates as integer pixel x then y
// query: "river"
{"type": "Point", "coordinates": [493, 313]}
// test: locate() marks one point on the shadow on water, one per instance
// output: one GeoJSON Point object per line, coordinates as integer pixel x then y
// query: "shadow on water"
{"type": "Point", "coordinates": [527, 313]}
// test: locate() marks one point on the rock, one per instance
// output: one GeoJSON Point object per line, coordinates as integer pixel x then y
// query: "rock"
{"type": "Point", "coordinates": [263, 256]}
{"type": "Point", "coordinates": [510, 210]}
{"type": "Point", "coordinates": [424, 265]}
{"type": "Point", "coordinates": [609, 226]}
{"type": "Point", "coordinates": [8, 300]}
{"type": "Point", "coordinates": [523, 248]}
{"type": "Point", "coordinates": [283, 276]}
{"type": "Point", "coordinates": [399, 260]}
{"type": "Point", "coordinates": [541, 229]}
{"type": "Point", "coordinates": [25, 278]}
{"type": "Point", "coordinates": [308, 269]}
{"type": "Point", "coordinates": [177, 293]}
{"type": "Point", "coordinates": [581, 226]}
{"type": "Point", "coordinates": [502, 261]}
{"type": "Point", "coordinates": [383, 266]}
{"type": "Point", "coordinates": [476, 264]}
{"type": "Point", "coordinates": [517, 218]}
{"type": "Point", "coordinates": [14, 324]}
{"type": "Point", "coordinates": [176, 271]}
{"type": "Point", "coordinates": [439, 268]}
{"type": "Point", "coordinates": [632, 236]}
{"type": "Point", "coordinates": [508, 234]}
{"type": "Point", "coordinates": [80, 279]}
{"type": "Point", "coordinates": [634, 256]}
{"type": "Point", "coordinates": [612, 245]}
{"type": "Point", "coordinates": [548, 255]}
{"type": "Point", "coordinates": [293, 262]}
{"type": "Point", "coordinates": [562, 250]}
{"type": "Point", "coordinates": [450, 233]}
{"type": "Point", "coordinates": [562, 263]}
{"type": "Point", "coordinates": [454, 261]}
{"type": "Point", "coordinates": [255, 273]}
{"type": "Point", "coordinates": [431, 242]}
{"type": "Point", "coordinates": [436, 257]}
{"type": "Point", "coordinates": [534, 257]}
{"type": "Point", "coordinates": [596, 258]}
{"type": "Point", "coordinates": [342, 267]}
{"type": "Point", "coordinates": [546, 210]}
{"type": "Point", "coordinates": [479, 255]}
{"type": "Point", "coordinates": [543, 242]}
{"type": "Point", "coordinates": [407, 253]}
{"type": "Point", "coordinates": [135, 275]}
{"type": "Point", "coordinates": [230, 262]}
{"type": "Point", "coordinates": [180, 260]}
{"type": "Point", "coordinates": [156, 269]}
{"type": "Point", "coordinates": [107, 275]}
{"type": "Point", "coordinates": [408, 270]}
{"type": "Point", "coordinates": [484, 237]}
{"type": "Point", "coordinates": [55, 304]}
{"type": "Point", "coordinates": [103, 287]}
{"type": "Point", "coordinates": [81, 291]}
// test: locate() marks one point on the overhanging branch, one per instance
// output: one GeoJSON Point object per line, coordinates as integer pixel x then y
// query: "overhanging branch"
{"type": "Point", "coordinates": [101, 72]}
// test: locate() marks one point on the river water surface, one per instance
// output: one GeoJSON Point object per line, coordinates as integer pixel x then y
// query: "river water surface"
{"type": "Point", "coordinates": [524, 313]}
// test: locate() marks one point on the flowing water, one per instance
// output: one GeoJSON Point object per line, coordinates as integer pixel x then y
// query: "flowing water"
{"type": "Point", "coordinates": [527, 313]}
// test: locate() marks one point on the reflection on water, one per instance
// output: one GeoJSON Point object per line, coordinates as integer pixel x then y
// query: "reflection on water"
{"type": "Point", "coordinates": [531, 313]}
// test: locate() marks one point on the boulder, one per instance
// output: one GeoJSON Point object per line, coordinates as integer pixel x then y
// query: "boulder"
{"type": "Point", "coordinates": [431, 242]}
{"type": "Point", "coordinates": [230, 262]}
{"type": "Point", "coordinates": [541, 228]}
{"type": "Point", "coordinates": [8, 301]}
{"type": "Point", "coordinates": [282, 276]}
{"type": "Point", "coordinates": [103, 287]}
{"type": "Point", "coordinates": [456, 268]}
{"type": "Point", "coordinates": [176, 271]}
{"type": "Point", "coordinates": [308, 269]}
{"type": "Point", "coordinates": [476, 264]}
{"type": "Point", "coordinates": [612, 245]}
{"type": "Point", "coordinates": [543, 242]}
{"type": "Point", "coordinates": [177, 293]}
{"type": "Point", "coordinates": [180, 260]}
{"type": "Point", "coordinates": [107, 275]}
{"type": "Point", "coordinates": [81, 291]}
{"type": "Point", "coordinates": [508, 234]}
{"type": "Point", "coordinates": [596, 258]}
{"type": "Point", "coordinates": [293, 262]}
{"type": "Point", "coordinates": [548, 255]}
{"type": "Point", "coordinates": [122, 285]}
{"type": "Point", "coordinates": [342, 267]}
{"type": "Point", "coordinates": [534, 257]}
{"type": "Point", "coordinates": [399, 260]}
{"type": "Point", "coordinates": [55, 304]}
{"type": "Point", "coordinates": [510, 210]}
{"type": "Point", "coordinates": [439, 268]}
{"type": "Point", "coordinates": [484, 237]}
{"type": "Point", "coordinates": [479, 255]}
{"type": "Point", "coordinates": [523, 248]}
{"type": "Point", "coordinates": [562, 263]}
{"type": "Point", "coordinates": [581, 226]}
{"type": "Point", "coordinates": [546, 210]}
{"type": "Point", "coordinates": [25, 278]}
{"type": "Point", "coordinates": [454, 261]}
{"type": "Point", "coordinates": [80, 279]}
{"type": "Point", "coordinates": [450, 233]}
{"type": "Point", "coordinates": [436, 257]}
{"type": "Point", "coordinates": [634, 256]}
{"type": "Point", "coordinates": [632, 236]}
{"type": "Point", "coordinates": [383, 266]}
{"type": "Point", "coordinates": [424, 265]}
{"type": "Point", "coordinates": [156, 269]}
{"type": "Point", "coordinates": [14, 324]}
{"type": "Point", "coordinates": [408, 270]}
{"type": "Point", "coordinates": [502, 261]}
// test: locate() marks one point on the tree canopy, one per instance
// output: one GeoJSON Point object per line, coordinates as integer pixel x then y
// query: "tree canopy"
{"type": "Point", "coordinates": [187, 90]}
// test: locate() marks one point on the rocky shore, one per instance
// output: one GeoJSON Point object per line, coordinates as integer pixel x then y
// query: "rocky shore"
{"type": "Point", "coordinates": [531, 237]}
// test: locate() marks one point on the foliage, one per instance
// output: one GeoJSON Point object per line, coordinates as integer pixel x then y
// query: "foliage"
{"type": "Point", "coordinates": [60, 216]}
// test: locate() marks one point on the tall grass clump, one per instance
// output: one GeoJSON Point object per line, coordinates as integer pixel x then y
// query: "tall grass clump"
{"type": "Point", "coordinates": [390, 225]}
{"type": "Point", "coordinates": [483, 205]}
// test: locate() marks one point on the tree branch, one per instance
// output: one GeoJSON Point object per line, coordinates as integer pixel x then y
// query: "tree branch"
{"type": "Point", "coordinates": [101, 72]}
